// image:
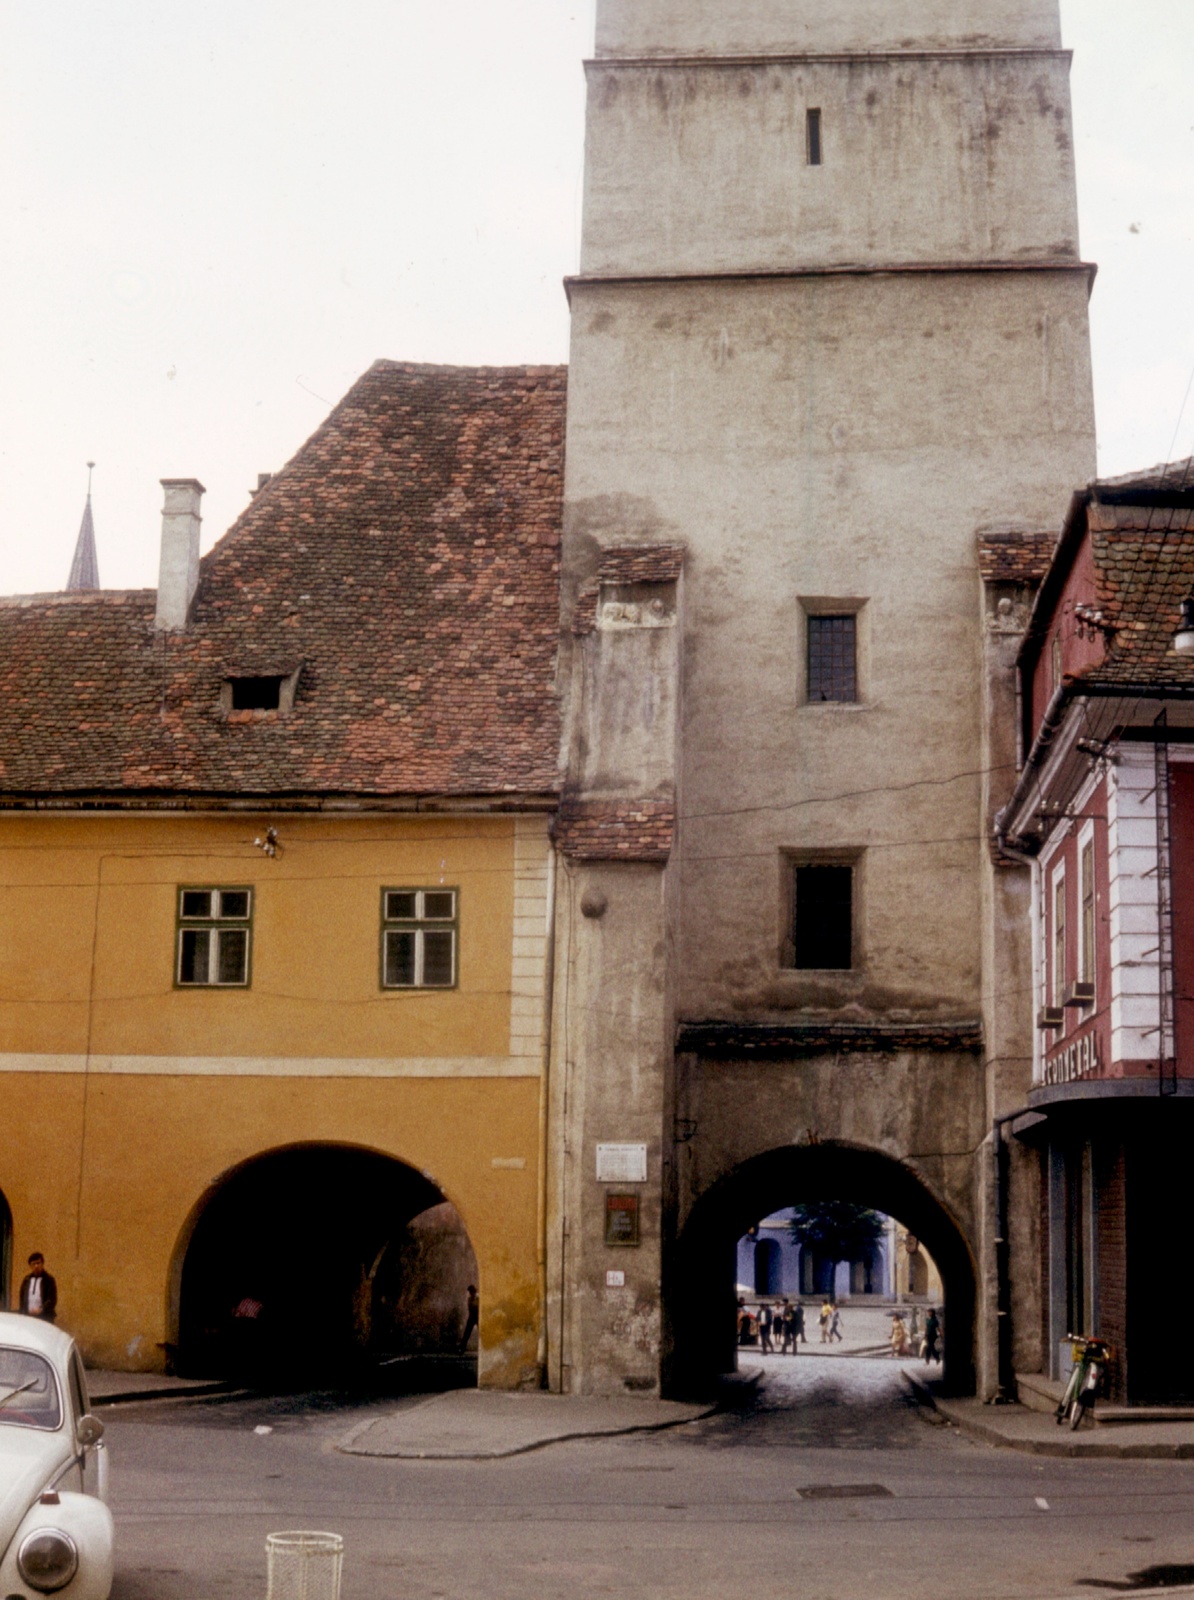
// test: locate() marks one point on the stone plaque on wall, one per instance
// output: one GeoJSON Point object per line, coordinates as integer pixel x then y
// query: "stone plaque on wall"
{"type": "Point", "coordinates": [621, 1163]}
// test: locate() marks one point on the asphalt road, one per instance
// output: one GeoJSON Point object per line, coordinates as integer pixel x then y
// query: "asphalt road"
{"type": "Point", "coordinates": [832, 1486]}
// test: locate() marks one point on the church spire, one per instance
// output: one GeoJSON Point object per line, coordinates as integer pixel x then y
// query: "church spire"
{"type": "Point", "coordinates": [84, 569]}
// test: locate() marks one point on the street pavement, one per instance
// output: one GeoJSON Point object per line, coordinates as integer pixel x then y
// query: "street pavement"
{"type": "Point", "coordinates": [830, 1483]}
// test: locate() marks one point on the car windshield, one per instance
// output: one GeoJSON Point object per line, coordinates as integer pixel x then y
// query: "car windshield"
{"type": "Point", "coordinates": [28, 1390]}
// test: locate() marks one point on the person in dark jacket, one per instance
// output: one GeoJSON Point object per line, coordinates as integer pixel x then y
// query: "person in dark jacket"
{"type": "Point", "coordinates": [39, 1292]}
{"type": "Point", "coordinates": [930, 1349]}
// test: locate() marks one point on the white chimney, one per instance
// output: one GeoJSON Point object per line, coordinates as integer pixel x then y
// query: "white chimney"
{"type": "Point", "coordinates": [178, 572]}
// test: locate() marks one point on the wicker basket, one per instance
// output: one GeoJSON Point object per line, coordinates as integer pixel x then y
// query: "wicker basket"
{"type": "Point", "coordinates": [304, 1566]}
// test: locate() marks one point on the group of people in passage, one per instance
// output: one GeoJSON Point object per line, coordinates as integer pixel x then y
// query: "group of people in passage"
{"type": "Point", "coordinates": [780, 1326]}
{"type": "Point", "coordinates": [906, 1339]}
{"type": "Point", "coordinates": [780, 1329]}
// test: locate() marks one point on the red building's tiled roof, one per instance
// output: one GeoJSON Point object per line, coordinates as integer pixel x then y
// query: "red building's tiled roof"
{"type": "Point", "coordinates": [406, 561]}
{"type": "Point", "coordinates": [1144, 569]}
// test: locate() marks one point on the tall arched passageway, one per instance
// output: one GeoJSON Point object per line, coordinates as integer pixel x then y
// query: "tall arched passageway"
{"type": "Point", "coordinates": [700, 1270]}
{"type": "Point", "coordinates": [308, 1263]}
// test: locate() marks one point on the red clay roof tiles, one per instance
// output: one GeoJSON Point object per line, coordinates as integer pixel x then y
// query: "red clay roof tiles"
{"type": "Point", "coordinates": [616, 830]}
{"type": "Point", "coordinates": [1015, 557]}
{"type": "Point", "coordinates": [407, 559]}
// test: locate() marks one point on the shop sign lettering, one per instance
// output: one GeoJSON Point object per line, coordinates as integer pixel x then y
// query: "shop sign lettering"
{"type": "Point", "coordinates": [1077, 1060]}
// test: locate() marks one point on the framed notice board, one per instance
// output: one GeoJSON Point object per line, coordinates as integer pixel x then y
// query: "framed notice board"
{"type": "Point", "coordinates": [621, 1218]}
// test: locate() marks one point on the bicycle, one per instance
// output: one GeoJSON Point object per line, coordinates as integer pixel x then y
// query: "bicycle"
{"type": "Point", "coordinates": [1091, 1356]}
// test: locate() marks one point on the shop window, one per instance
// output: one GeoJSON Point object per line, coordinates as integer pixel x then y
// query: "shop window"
{"type": "Point", "coordinates": [418, 938]}
{"type": "Point", "coordinates": [1081, 1296]}
{"type": "Point", "coordinates": [214, 931]}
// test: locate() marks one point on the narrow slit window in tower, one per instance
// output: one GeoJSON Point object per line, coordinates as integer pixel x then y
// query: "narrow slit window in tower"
{"type": "Point", "coordinates": [813, 122]}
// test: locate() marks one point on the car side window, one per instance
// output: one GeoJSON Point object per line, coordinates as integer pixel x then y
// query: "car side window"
{"type": "Point", "coordinates": [78, 1386]}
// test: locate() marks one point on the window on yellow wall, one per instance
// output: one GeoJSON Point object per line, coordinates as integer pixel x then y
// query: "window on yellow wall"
{"type": "Point", "coordinates": [214, 931]}
{"type": "Point", "coordinates": [418, 938]}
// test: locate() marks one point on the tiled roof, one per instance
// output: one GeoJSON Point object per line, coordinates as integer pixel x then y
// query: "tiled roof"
{"type": "Point", "coordinates": [1168, 477]}
{"type": "Point", "coordinates": [407, 559]}
{"type": "Point", "coordinates": [1015, 557]}
{"type": "Point", "coordinates": [625, 565]}
{"type": "Point", "coordinates": [616, 830]}
{"type": "Point", "coordinates": [1144, 569]}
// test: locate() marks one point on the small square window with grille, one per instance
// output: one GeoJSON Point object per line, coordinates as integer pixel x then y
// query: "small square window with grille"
{"type": "Point", "coordinates": [823, 917]}
{"type": "Point", "coordinates": [214, 932]}
{"type": "Point", "coordinates": [833, 658]}
{"type": "Point", "coordinates": [418, 938]}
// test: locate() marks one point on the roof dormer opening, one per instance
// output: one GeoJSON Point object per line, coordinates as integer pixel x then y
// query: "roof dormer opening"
{"type": "Point", "coordinates": [260, 691]}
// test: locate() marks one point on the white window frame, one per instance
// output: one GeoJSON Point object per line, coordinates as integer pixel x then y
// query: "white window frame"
{"type": "Point", "coordinates": [216, 923]}
{"type": "Point", "coordinates": [1058, 954]}
{"type": "Point", "coordinates": [420, 925]}
{"type": "Point", "coordinates": [1088, 943]}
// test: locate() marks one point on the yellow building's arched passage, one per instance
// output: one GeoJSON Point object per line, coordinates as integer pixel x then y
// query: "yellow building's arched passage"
{"type": "Point", "coordinates": [316, 1261]}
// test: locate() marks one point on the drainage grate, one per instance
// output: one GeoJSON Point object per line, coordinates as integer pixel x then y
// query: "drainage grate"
{"type": "Point", "coordinates": [844, 1491]}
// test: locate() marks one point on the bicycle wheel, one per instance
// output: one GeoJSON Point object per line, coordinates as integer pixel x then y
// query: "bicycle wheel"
{"type": "Point", "coordinates": [1077, 1407]}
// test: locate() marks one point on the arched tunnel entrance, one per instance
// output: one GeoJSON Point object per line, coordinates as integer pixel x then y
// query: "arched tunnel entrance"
{"type": "Point", "coordinates": [701, 1275]}
{"type": "Point", "coordinates": [316, 1262]}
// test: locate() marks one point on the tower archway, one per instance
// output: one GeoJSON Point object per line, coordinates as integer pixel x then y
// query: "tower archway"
{"type": "Point", "coordinates": [310, 1262]}
{"type": "Point", "coordinates": [700, 1276]}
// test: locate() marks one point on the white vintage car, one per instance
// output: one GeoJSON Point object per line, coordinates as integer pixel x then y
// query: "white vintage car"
{"type": "Point", "coordinates": [55, 1527]}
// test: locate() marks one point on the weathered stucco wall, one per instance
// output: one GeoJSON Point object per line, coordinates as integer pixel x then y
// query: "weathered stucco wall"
{"type": "Point", "coordinates": [962, 160]}
{"type": "Point", "coordinates": [779, 27]}
{"type": "Point", "coordinates": [822, 380]}
{"type": "Point", "coordinates": [837, 438]}
{"type": "Point", "coordinates": [917, 1107]}
{"type": "Point", "coordinates": [611, 1064]}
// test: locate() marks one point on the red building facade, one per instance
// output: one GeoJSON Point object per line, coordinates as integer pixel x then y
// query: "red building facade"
{"type": "Point", "coordinates": [1104, 809]}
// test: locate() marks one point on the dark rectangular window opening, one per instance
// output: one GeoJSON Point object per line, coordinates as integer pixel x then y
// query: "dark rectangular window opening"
{"type": "Point", "coordinates": [257, 694]}
{"type": "Point", "coordinates": [813, 123]}
{"type": "Point", "coordinates": [823, 918]}
{"type": "Point", "coordinates": [833, 658]}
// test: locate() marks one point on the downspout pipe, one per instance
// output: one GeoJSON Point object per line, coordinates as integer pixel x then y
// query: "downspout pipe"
{"type": "Point", "coordinates": [1005, 1392]}
{"type": "Point", "coordinates": [549, 981]}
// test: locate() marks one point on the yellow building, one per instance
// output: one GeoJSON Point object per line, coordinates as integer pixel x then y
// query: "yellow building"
{"type": "Point", "coordinates": [275, 897]}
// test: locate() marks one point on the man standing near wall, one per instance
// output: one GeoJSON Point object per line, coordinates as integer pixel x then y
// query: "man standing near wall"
{"type": "Point", "coordinates": [39, 1291]}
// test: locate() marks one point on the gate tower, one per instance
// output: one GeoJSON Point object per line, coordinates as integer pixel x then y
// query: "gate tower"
{"type": "Point", "coordinates": [829, 332]}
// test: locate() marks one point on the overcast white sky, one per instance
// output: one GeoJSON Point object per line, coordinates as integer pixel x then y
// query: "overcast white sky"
{"type": "Point", "coordinates": [219, 214]}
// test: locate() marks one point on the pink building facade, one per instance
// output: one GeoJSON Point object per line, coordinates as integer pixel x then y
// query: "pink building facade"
{"type": "Point", "coordinates": [1104, 809]}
